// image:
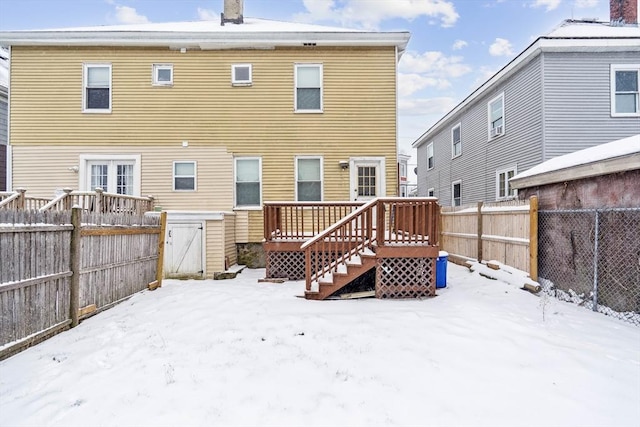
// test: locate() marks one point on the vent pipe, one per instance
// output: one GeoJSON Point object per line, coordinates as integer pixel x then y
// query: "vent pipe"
{"type": "Point", "coordinates": [232, 12]}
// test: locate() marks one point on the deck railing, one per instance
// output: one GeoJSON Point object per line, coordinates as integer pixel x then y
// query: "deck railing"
{"type": "Point", "coordinates": [91, 201]}
{"type": "Point", "coordinates": [380, 222]}
{"type": "Point", "coordinates": [295, 221]}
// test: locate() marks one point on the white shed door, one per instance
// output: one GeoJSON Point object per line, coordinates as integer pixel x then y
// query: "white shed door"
{"type": "Point", "coordinates": [183, 251]}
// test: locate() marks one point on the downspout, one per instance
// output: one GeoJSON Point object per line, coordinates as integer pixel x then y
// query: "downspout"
{"type": "Point", "coordinates": [9, 158]}
{"type": "Point", "coordinates": [397, 59]}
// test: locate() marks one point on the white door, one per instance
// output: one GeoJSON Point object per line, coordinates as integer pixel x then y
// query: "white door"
{"type": "Point", "coordinates": [113, 176]}
{"type": "Point", "coordinates": [183, 251]}
{"type": "Point", "coordinates": [367, 179]}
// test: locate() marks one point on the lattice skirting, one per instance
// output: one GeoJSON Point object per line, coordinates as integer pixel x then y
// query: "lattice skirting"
{"type": "Point", "coordinates": [281, 264]}
{"type": "Point", "coordinates": [405, 277]}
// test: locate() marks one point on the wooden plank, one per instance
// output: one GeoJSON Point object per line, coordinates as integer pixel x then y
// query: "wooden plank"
{"type": "Point", "coordinates": [533, 238]}
{"type": "Point", "coordinates": [493, 265]}
{"type": "Point", "coordinates": [34, 228]}
{"type": "Point", "coordinates": [405, 251]}
{"type": "Point", "coordinates": [357, 295]}
{"type": "Point", "coordinates": [479, 231]}
{"type": "Point", "coordinates": [160, 263]}
{"type": "Point", "coordinates": [86, 310]}
{"type": "Point", "coordinates": [119, 230]}
{"type": "Point", "coordinates": [75, 249]}
{"type": "Point", "coordinates": [35, 281]}
{"type": "Point", "coordinates": [153, 285]}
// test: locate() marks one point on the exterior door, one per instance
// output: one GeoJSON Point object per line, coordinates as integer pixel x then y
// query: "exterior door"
{"type": "Point", "coordinates": [111, 175]}
{"type": "Point", "coordinates": [366, 179]}
{"type": "Point", "coordinates": [183, 251]}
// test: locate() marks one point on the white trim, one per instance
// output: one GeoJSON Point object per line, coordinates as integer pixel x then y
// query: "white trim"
{"type": "Point", "coordinates": [431, 190]}
{"type": "Point", "coordinates": [85, 67]}
{"type": "Point", "coordinates": [508, 185]}
{"type": "Point", "coordinates": [86, 158]}
{"type": "Point", "coordinates": [612, 76]}
{"type": "Point", "coordinates": [235, 82]}
{"type": "Point", "coordinates": [235, 202]}
{"type": "Point", "coordinates": [154, 74]}
{"type": "Point", "coordinates": [195, 175]}
{"type": "Point", "coordinates": [295, 177]}
{"type": "Point", "coordinates": [453, 151]}
{"type": "Point", "coordinates": [454, 183]}
{"type": "Point", "coordinates": [295, 86]}
{"type": "Point", "coordinates": [498, 131]}
{"type": "Point", "coordinates": [433, 156]}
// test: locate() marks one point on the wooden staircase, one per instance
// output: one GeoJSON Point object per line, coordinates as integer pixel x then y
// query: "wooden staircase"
{"type": "Point", "coordinates": [344, 274]}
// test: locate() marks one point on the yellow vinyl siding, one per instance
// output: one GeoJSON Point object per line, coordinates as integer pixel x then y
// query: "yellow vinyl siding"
{"type": "Point", "coordinates": [218, 120]}
{"type": "Point", "coordinates": [214, 247]}
{"type": "Point", "coordinates": [230, 252]}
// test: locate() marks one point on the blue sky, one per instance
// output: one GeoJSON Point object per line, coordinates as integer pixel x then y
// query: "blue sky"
{"type": "Point", "coordinates": [455, 45]}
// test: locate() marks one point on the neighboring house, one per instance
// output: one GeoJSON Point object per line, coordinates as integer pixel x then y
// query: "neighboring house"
{"type": "Point", "coordinates": [572, 89]}
{"type": "Point", "coordinates": [4, 116]}
{"type": "Point", "coordinates": [210, 119]}
{"type": "Point", "coordinates": [403, 171]}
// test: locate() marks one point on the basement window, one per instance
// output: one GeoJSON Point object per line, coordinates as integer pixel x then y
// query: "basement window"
{"type": "Point", "coordinates": [162, 74]}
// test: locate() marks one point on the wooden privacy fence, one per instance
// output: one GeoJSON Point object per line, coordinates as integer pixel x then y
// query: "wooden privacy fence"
{"type": "Point", "coordinates": [58, 267]}
{"type": "Point", "coordinates": [503, 231]}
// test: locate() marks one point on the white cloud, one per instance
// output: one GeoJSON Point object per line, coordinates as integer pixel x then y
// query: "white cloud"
{"type": "Point", "coordinates": [207, 15]}
{"type": "Point", "coordinates": [411, 83]}
{"type": "Point", "coordinates": [501, 47]}
{"type": "Point", "coordinates": [459, 44]}
{"type": "Point", "coordinates": [128, 15]}
{"type": "Point", "coordinates": [369, 13]}
{"type": "Point", "coordinates": [413, 107]}
{"type": "Point", "coordinates": [585, 4]}
{"type": "Point", "coordinates": [548, 4]}
{"type": "Point", "coordinates": [434, 63]}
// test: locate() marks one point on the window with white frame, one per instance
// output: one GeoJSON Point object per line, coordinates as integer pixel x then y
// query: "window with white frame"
{"type": "Point", "coordinates": [308, 179]}
{"type": "Point", "coordinates": [241, 75]}
{"type": "Point", "coordinates": [96, 95]}
{"type": "Point", "coordinates": [456, 193]}
{"type": "Point", "coordinates": [119, 174]}
{"type": "Point", "coordinates": [430, 159]}
{"type": "Point", "coordinates": [496, 116]}
{"type": "Point", "coordinates": [184, 176]}
{"type": "Point", "coordinates": [431, 192]}
{"type": "Point", "coordinates": [248, 181]}
{"type": "Point", "coordinates": [163, 74]}
{"type": "Point", "coordinates": [503, 188]}
{"type": "Point", "coordinates": [456, 141]}
{"type": "Point", "coordinates": [625, 95]}
{"type": "Point", "coordinates": [308, 93]}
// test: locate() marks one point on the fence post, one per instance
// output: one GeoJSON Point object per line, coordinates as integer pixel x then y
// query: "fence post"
{"type": "Point", "coordinates": [595, 262]}
{"type": "Point", "coordinates": [74, 305]}
{"type": "Point", "coordinates": [99, 199]}
{"type": "Point", "coordinates": [533, 238]}
{"type": "Point", "coordinates": [160, 266]}
{"type": "Point", "coordinates": [21, 199]}
{"type": "Point", "coordinates": [480, 204]}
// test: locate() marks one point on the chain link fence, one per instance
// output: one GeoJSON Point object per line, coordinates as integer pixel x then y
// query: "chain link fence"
{"type": "Point", "coordinates": [592, 257]}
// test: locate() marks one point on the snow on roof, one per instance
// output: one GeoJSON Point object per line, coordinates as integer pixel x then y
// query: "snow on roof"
{"type": "Point", "coordinates": [570, 35]}
{"type": "Point", "coordinates": [588, 156]}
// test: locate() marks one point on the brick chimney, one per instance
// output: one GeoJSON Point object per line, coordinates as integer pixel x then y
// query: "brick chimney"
{"type": "Point", "coordinates": [623, 12]}
{"type": "Point", "coordinates": [233, 10]}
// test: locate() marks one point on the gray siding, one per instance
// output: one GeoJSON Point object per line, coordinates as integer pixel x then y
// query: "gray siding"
{"type": "Point", "coordinates": [4, 117]}
{"type": "Point", "coordinates": [520, 146]}
{"type": "Point", "coordinates": [577, 101]}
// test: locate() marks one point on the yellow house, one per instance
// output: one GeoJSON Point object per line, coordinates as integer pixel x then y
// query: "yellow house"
{"type": "Point", "coordinates": [211, 118]}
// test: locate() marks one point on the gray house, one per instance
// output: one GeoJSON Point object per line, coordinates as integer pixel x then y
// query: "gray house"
{"type": "Point", "coordinates": [574, 88]}
{"type": "Point", "coordinates": [4, 116]}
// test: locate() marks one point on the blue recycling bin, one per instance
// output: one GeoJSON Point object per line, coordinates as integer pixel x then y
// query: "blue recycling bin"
{"type": "Point", "coordinates": [441, 269]}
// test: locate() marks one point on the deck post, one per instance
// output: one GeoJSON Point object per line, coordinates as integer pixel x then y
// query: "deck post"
{"type": "Point", "coordinates": [380, 232]}
{"type": "Point", "coordinates": [74, 302]}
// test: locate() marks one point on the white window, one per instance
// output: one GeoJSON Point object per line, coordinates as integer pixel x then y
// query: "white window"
{"type": "Point", "coordinates": [96, 94]}
{"type": "Point", "coordinates": [308, 179]}
{"type": "Point", "coordinates": [456, 193]}
{"type": "Point", "coordinates": [625, 84]}
{"type": "Point", "coordinates": [308, 93]}
{"type": "Point", "coordinates": [496, 116]}
{"type": "Point", "coordinates": [248, 182]}
{"type": "Point", "coordinates": [456, 141]}
{"type": "Point", "coordinates": [431, 192]}
{"type": "Point", "coordinates": [430, 159]}
{"type": "Point", "coordinates": [241, 75]}
{"type": "Point", "coordinates": [162, 74]}
{"type": "Point", "coordinates": [184, 176]}
{"type": "Point", "coordinates": [503, 188]}
{"type": "Point", "coordinates": [119, 174]}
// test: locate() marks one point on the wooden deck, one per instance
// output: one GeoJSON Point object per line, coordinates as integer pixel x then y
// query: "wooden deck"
{"type": "Point", "coordinates": [329, 245]}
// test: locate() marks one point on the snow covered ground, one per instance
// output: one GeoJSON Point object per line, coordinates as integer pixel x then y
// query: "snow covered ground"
{"type": "Point", "coordinates": [239, 352]}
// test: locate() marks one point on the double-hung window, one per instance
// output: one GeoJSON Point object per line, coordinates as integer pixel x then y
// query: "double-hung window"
{"type": "Point", "coordinates": [430, 159]}
{"type": "Point", "coordinates": [184, 176]}
{"type": "Point", "coordinates": [241, 75]}
{"type": "Point", "coordinates": [248, 173]}
{"type": "Point", "coordinates": [625, 95]}
{"type": "Point", "coordinates": [503, 188]}
{"type": "Point", "coordinates": [456, 193]}
{"type": "Point", "coordinates": [309, 179]}
{"type": "Point", "coordinates": [496, 116]}
{"type": "Point", "coordinates": [308, 93]}
{"type": "Point", "coordinates": [96, 95]}
{"type": "Point", "coordinates": [456, 141]}
{"type": "Point", "coordinates": [162, 74]}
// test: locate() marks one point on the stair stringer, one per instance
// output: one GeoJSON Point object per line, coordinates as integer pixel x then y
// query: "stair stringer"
{"type": "Point", "coordinates": [340, 278]}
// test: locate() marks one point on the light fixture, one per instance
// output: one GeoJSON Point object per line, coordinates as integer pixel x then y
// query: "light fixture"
{"type": "Point", "coordinates": [74, 169]}
{"type": "Point", "coordinates": [344, 164]}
